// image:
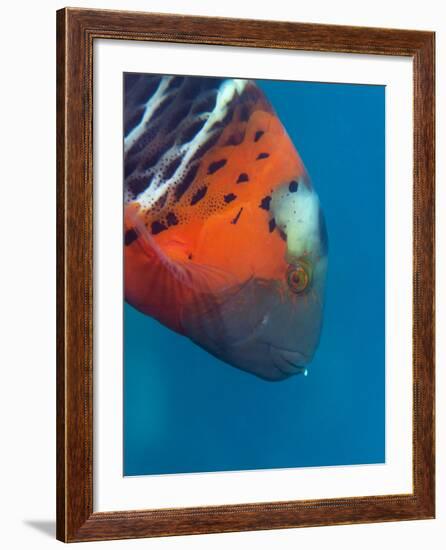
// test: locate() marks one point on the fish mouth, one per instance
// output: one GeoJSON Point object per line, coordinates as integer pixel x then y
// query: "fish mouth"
{"type": "Point", "coordinates": [289, 362]}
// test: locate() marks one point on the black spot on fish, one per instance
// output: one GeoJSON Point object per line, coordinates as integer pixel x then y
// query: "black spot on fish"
{"type": "Point", "coordinates": [243, 177]}
{"type": "Point", "coordinates": [265, 202]}
{"type": "Point", "coordinates": [171, 219]}
{"type": "Point", "coordinates": [159, 204]}
{"type": "Point", "coordinates": [186, 182]}
{"type": "Point", "coordinates": [130, 236]}
{"type": "Point", "coordinates": [235, 220]}
{"type": "Point", "coordinates": [230, 197]}
{"type": "Point", "coordinates": [282, 235]}
{"type": "Point", "coordinates": [216, 165]}
{"type": "Point", "coordinates": [171, 168]}
{"type": "Point", "coordinates": [293, 186]}
{"type": "Point", "coordinates": [157, 227]}
{"type": "Point", "coordinates": [190, 257]}
{"type": "Point", "coordinates": [236, 138]}
{"type": "Point", "coordinates": [199, 195]}
{"type": "Point", "coordinates": [272, 225]}
{"type": "Point", "coordinates": [258, 135]}
{"type": "Point", "coordinates": [261, 156]}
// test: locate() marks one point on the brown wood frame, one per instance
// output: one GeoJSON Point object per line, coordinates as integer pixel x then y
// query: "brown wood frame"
{"type": "Point", "coordinates": [76, 31]}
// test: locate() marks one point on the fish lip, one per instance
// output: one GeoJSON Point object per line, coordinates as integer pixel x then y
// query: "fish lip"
{"type": "Point", "coordinates": [289, 362]}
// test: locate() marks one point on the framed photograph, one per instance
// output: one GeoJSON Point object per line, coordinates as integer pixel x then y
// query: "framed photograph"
{"type": "Point", "coordinates": [245, 275]}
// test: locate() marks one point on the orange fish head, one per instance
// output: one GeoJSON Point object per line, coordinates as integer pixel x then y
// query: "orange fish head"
{"type": "Point", "coordinates": [224, 237]}
{"type": "Point", "coordinates": [269, 323]}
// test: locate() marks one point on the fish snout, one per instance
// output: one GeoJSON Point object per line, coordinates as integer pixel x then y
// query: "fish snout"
{"type": "Point", "coordinates": [289, 362]}
{"type": "Point", "coordinates": [259, 330]}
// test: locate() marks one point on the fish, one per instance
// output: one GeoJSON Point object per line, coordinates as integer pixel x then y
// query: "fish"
{"type": "Point", "coordinates": [225, 240]}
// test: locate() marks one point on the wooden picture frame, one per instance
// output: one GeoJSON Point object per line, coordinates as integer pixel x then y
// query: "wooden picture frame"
{"type": "Point", "coordinates": [77, 29]}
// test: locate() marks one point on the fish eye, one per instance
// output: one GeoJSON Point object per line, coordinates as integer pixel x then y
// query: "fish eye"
{"type": "Point", "coordinates": [298, 278]}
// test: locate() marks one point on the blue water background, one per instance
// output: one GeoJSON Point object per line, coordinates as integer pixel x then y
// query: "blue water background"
{"type": "Point", "coordinates": [185, 411]}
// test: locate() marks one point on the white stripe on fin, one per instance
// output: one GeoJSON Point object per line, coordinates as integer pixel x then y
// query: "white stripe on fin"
{"type": "Point", "coordinates": [170, 148]}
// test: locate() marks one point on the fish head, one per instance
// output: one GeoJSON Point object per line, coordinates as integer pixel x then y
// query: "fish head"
{"type": "Point", "coordinates": [225, 241]}
{"type": "Point", "coordinates": [270, 323]}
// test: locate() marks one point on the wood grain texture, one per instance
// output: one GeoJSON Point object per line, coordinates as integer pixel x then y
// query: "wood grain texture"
{"type": "Point", "coordinates": [76, 31]}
